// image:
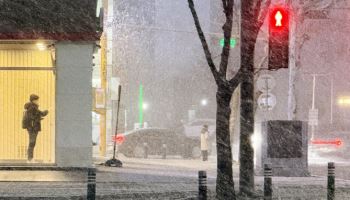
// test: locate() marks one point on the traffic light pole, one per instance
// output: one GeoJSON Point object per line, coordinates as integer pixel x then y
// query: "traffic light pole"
{"type": "Point", "coordinates": [292, 64]}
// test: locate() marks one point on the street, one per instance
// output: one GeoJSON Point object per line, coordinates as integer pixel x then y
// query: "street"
{"type": "Point", "coordinates": [231, 99]}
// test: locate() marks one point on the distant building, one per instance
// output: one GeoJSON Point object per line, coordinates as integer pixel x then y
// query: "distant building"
{"type": "Point", "coordinates": [156, 46]}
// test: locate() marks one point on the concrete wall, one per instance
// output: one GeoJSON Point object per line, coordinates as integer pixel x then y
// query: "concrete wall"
{"type": "Point", "coordinates": [73, 104]}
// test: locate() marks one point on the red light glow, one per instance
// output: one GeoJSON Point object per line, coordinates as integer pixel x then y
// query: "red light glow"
{"type": "Point", "coordinates": [336, 142]}
{"type": "Point", "coordinates": [119, 139]}
{"type": "Point", "coordinates": [279, 18]}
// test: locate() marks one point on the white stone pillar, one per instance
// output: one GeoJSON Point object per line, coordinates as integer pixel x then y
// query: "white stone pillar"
{"type": "Point", "coordinates": [74, 104]}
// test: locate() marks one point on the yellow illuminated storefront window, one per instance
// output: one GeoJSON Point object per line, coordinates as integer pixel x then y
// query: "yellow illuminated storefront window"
{"type": "Point", "coordinates": [25, 70]}
{"type": "Point", "coordinates": [344, 101]}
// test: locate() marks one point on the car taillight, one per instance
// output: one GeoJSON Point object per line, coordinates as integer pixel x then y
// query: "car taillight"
{"type": "Point", "coordinates": [337, 142]}
{"type": "Point", "coordinates": [119, 139]}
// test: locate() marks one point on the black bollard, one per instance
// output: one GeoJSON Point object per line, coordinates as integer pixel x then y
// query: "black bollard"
{"type": "Point", "coordinates": [91, 186]}
{"type": "Point", "coordinates": [145, 148]}
{"type": "Point", "coordinates": [164, 149]}
{"type": "Point", "coordinates": [202, 185]}
{"type": "Point", "coordinates": [267, 182]}
{"type": "Point", "coordinates": [331, 181]}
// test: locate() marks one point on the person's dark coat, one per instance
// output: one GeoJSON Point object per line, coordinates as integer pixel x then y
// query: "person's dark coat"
{"type": "Point", "coordinates": [34, 116]}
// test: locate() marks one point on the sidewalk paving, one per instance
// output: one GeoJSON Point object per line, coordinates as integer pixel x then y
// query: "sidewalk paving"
{"type": "Point", "coordinates": [188, 190]}
{"type": "Point", "coordinates": [154, 179]}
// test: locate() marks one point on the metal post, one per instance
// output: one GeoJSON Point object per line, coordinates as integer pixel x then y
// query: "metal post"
{"type": "Point", "coordinates": [313, 90]}
{"type": "Point", "coordinates": [126, 120]}
{"type": "Point", "coordinates": [91, 186]}
{"type": "Point", "coordinates": [141, 106]}
{"type": "Point", "coordinates": [313, 104]}
{"type": "Point", "coordinates": [164, 150]}
{"type": "Point", "coordinates": [292, 64]}
{"type": "Point", "coordinates": [145, 150]}
{"type": "Point", "coordinates": [267, 182]}
{"type": "Point", "coordinates": [331, 181]}
{"type": "Point", "coordinates": [332, 97]}
{"type": "Point", "coordinates": [202, 185]}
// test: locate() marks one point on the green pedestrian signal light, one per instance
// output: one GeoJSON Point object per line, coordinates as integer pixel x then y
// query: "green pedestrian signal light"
{"type": "Point", "coordinates": [233, 42]}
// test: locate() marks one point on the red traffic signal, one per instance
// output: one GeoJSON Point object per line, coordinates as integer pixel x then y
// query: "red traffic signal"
{"type": "Point", "coordinates": [279, 19]}
{"type": "Point", "coordinates": [278, 38]}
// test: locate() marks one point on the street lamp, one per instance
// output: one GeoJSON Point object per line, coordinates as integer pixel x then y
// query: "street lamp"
{"type": "Point", "coordinates": [41, 46]}
{"type": "Point", "coordinates": [204, 102]}
{"type": "Point", "coordinates": [145, 106]}
{"type": "Point", "coordinates": [344, 101]}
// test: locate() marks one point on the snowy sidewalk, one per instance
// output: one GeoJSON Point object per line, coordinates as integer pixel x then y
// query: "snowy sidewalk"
{"type": "Point", "coordinates": [312, 188]}
{"type": "Point", "coordinates": [163, 179]}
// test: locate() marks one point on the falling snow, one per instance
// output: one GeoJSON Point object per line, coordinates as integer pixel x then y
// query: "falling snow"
{"type": "Point", "coordinates": [139, 99]}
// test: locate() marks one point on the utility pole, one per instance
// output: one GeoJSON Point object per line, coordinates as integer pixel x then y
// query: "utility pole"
{"type": "Point", "coordinates": [292, 65]}
{"type": "Point", "coordinates": [141, 106]}
{"type": "Point", "coordinates": [313, 104]}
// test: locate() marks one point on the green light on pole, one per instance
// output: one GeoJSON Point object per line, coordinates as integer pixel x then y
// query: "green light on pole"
{"type": "Point", "coordinates": [141, 105]}
{"type": "Point", "coordinates": [233, 42]}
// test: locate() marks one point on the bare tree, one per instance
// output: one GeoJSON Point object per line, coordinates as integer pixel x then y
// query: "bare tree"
{"type": "Point", "coordinates": [253, 13]}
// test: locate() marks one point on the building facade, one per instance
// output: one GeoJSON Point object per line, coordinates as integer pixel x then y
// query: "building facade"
{"type": "Point", "coordinates": [46, 49]}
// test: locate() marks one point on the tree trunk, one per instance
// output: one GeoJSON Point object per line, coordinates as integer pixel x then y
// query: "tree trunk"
{"type": "Point", "coordinates": [246, 154]}
{"type": "Point", "coordinates": [224, 181]}
{"type": "Point", "coordinates": [249, 33]}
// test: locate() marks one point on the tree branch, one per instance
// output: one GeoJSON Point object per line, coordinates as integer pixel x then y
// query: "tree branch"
{"type": "Point", "coordinates": [257, 9]}
{"type": "Point", "coordinates": [204, 42]}
{"type": "Point", "coordinates": [263, 13]}
{"type": "Point", "coordinates": [224, 4]}
{"type": "Point", "coordinates": [262, 62]}
{"type": "Point", "coordinates": [227, 28]}
{"type": "Point", "coordinates": [236, 80]}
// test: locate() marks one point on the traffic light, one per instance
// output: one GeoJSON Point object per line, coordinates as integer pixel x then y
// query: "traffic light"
{"type": "Point", "coordinates": [278, 38]}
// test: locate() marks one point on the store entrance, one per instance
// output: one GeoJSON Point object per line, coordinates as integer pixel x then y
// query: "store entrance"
{"type": "Point", "coordinates": [25, 70]}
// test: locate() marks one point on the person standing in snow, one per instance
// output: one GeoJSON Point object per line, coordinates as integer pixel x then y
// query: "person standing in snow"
{"type": "Point", "coordinates": [204, 142]}
{"type": "Point", "coordinates": [32, 122]}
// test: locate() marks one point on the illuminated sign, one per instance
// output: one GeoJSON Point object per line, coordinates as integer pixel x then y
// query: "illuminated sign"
{"type": "Point", "coordinates": [344, 101]}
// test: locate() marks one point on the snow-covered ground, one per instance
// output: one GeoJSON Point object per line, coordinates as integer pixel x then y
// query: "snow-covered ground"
{"type": "Point", "coordinates": [164, 179]}
{"type": "Point", "coordinates": [315, 159]}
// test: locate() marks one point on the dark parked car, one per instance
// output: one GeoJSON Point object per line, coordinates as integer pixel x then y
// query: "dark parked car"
{"type": "Point", "coordinates": [134, 142]}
